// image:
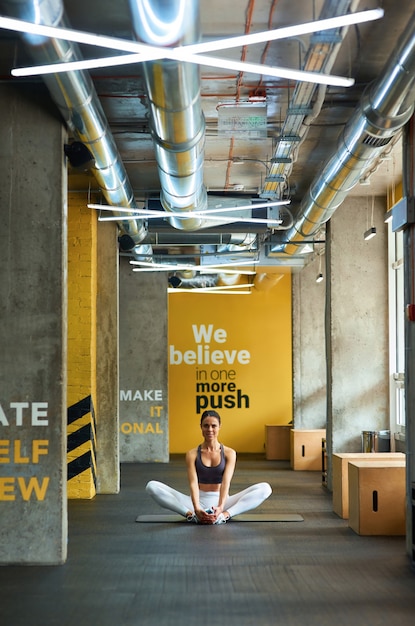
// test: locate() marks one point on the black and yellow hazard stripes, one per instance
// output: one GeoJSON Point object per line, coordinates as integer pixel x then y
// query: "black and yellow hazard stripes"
{"type": "Point", "coordinates": [81, 450]}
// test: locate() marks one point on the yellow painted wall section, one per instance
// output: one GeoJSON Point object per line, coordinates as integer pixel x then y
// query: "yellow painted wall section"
{"type": "Point", "coordinates": [395, 194]}
{"type": "Point", "coordinates": [233, 354]}
{"type": "Point", "coordinates": [82, 295]}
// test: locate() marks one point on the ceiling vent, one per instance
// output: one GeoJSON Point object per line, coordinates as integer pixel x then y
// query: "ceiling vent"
{"type": "Point", "coordinates": [376, 142]}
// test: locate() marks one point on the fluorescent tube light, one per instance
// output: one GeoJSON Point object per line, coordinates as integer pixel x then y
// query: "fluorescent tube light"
{"type": "Point", "coordinates": [172, 270]}
{"type": "Point", "coordinates": [211, 291]}
{"type": "Point", "coordinates": [226, 64]}
{"type": "Point", "coordinates": [189, 53]}
{"type": "Point", "coordinates": [146, 266]}
{"type": "Point", "coordinates": [180, 53]}
{"type": "Point", "coordinates": [208, 214]}
{"type": "Point", "coordinates": [212, 218]}
{"type": "Point", "coordinates": [217, 209]}
{"type": "Point", "coordinates": [217, 288]}
{"type": "Point", "coordinates": [190, 266]}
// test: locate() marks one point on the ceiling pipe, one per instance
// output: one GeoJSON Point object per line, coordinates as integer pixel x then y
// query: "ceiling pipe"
{"type": "Point", "coordinates": [384, 109]}
{"type": "Point", "coordinates": [176, 118]}
{"type": "Point", "coordinates": [79, 105]}
{"type": "Point", "coordinates": [306, 100]}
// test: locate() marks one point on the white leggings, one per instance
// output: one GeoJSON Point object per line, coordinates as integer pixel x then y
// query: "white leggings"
{"type": "Point", "coordinates": [240, 502]}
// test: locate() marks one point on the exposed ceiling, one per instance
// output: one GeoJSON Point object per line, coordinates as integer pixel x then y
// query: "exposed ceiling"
{"type": "Point", "coordinates": [246, 163]}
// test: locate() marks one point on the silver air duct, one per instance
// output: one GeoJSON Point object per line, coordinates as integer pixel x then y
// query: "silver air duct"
{"type": "Point", "coordinates": [176, 117]}
{"type": "Point", "coordinates": [76, 98]}
{"type": "Point", "coordinates": [385, 108]}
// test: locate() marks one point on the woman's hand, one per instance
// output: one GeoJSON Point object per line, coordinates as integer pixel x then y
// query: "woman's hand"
{"type": "Point", "coordinates": [206, 518]}
{"type": "Point", "coordinates": [217, 510]}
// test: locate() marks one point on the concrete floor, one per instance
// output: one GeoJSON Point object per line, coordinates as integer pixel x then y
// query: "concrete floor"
{"type": "Point", "coordinates": [316, 572]}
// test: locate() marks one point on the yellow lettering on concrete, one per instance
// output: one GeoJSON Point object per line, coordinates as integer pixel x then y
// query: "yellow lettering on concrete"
{"type": "Point", "coordinates": [140, 429]}
{"type": "Point", "coordinates": [33, 486]}
{"type": "Point", "coordinates": [7, 489]}
{"type": "Point", "coordinates": [39, 446]}
{"type": "Point", "coordinates": [4, 451]}
{"type": "Point", "coordinates": [17, 453]}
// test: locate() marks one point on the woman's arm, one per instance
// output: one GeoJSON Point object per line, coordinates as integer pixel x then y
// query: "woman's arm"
{"type": "Point", "coordinates": [194, 486]}
{"type": "Point", "coordinates": [201, 514]}
{"type": "Point", "coordinates": [192, 478]}
{"type": "Point", "coordinates": [230, 458]}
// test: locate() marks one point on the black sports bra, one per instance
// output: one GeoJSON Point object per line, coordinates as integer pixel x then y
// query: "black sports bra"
{"type": "Point", "coordinates": [210, 475]}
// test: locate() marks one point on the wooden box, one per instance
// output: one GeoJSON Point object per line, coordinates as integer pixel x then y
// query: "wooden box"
{"type": "Point", "coordinates": [277, 442]}
{"type": "Point", "coordinates": [377, 497]}
{"type": "Point", "coordinates": [306, 449]}
{"type": "Point", "coordinates": [340, 474]}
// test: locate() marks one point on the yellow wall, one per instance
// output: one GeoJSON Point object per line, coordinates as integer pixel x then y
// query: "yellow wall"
{"type": "Point", "coordinates": [82, 295]}
{"type": "Point", "coordinates": [259, 325]}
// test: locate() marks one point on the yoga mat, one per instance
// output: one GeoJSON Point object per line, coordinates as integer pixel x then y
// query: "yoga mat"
{"type": "Point", "coordinates": [246, 517]}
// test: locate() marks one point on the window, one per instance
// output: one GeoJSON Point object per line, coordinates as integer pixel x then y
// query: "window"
{"type": "Point", "coordinates": [396, 332]}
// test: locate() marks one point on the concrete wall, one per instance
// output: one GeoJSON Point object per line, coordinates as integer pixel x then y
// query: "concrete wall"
{"type": "Point", "coordinates": [33, 185]}
{"type": "Point", "coordinates": [144, 433]}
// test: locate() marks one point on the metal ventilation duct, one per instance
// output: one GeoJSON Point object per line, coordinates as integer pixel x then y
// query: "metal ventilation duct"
{"type": "Point", "coordinates": [75, 96]}
{"type": "Point", "coordinates": [385, 108]}
{"type": "Point", "coordinates": [176, 118]}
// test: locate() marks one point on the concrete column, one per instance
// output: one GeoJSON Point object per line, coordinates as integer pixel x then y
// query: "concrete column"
{"type": "Point", "coordinates": [108, 458]}
{"type": "Point", "coordinates": [33, 185]}
{"type": "Point", "coordinates": [144, 433]}
{"type": "Point", "coordinates": [357, 328]}
{"type": "Point", "coordinates": [340, 332]}
{"type": "Point", "coordinates": [359, 323]}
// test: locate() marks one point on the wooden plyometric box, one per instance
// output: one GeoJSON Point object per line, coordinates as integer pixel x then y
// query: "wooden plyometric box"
{"type": "Point", "coordinates": [377, 497]}
{"type": "Point", "coordinates": [306, 449]}
{"type": "Point", "coordinates": [340, 462]}
{"type": "Point", "coordinates": [277, 442]}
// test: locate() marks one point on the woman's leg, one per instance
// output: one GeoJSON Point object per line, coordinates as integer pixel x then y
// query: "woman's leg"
{"type": "Point", "coordinates": [247, 499]}
{"type": "Point", "coordinates": [169, 498]}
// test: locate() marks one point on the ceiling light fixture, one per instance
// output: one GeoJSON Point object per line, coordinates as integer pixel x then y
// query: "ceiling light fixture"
{"type": "Point", "coordinates": [142, 52]}
{"type": "Point", "coordinates": [146, 266]}
{"type": "Point", "coordinates": [189, 266]}
{"type": "Point", "coordinates": [218, 209]}
{"type": "Point", "coordinates": [175, 269]}
{"type": "Point", "coordinates": [210, 290]}
{"type": "Point", "coordinates": [371, 232]}
{"type": "Point", "coordinates": [320, 276]}
{"type": "Point", "coordinates": [218, 287]}
{"type": "Point", "coordinates": [188, 215]}
{"type": "Point", "coordinates": [226, 64]}
{"type": "Point", "coordinates": [207, 214]}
